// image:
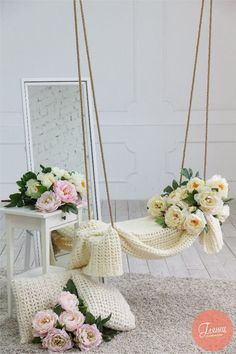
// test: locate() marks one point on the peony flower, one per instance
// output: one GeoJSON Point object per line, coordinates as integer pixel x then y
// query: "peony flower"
{"type": "Point", "coordinates": [174, 196]}
{"type": "Point", "coordinates": [195, 223]}
{"type": "Point", "coordinates": [68, 301]}
{"type": "Point", "coordinates": [79, 182]}
{"type": "Point", "coordinates": [223, 213]}
{"type": "Point", "coordinates": [57, 340]}
{"type": "Point", "coordinates": [43, 322]}
{"type": "Point", "coordinates": [174, 217]}
{"type": "Point", "coordinates": [48, 202]}
{"type": "Point", "coordinates": [58, 172]}
{"type": "Point", "coordinates": [210, 201]}
{"type": "Point", "coordinates": [71, 320]}
{"type": "Point", "coordinates": [220, 183]}
{"type": "Point", "coordinates": [47, 179]}
{"type": "Point", "coordinates": [65, 191]}
{"type": "Point", "coordinates": [196, 184]}
{"type": "Point", "coordinates": [156, 205]}
{"type": "Point", "coordinates": [33, 188]}
{"type": "Point", "coordinates": [88, 337]}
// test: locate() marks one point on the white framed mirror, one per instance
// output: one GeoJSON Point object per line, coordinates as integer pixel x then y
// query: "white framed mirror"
{"type": "Point", "coordinates": [53, 132]}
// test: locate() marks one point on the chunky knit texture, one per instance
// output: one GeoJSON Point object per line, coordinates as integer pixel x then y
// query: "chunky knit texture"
{"type": "Point", "coordinates": [97, 248]}
{"type": "Point", "coordinates": [41, 293]}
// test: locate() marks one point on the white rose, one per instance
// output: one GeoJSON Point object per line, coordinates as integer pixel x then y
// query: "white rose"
{"type": "Point", "coordinates": [210, 201]}
{"type": "Point", "coordinates": [195, 223]}
{"type": "Point", "coordinates": [32, 188]}
{"type": "Point", "coordinates": [220, 183]}
{"type": "Point", "coordinates": [79, 182]}
{"type": "Point", "coordinates": [174, 197]}
{"type": "Point", "coordinates": [223, 213]}
{"type": "Point", "coordinates": [156, 205]}
{"type": "Point", "coordinates": [174, 217]}
{"type": "Point", "coordinates": [196, 184]}
{"type": "Point", "coordinates": [47, 179]}
{"type": "Point", "coordinates": [58, 172]}
{"type": "Point", "coordinates": [183, 193]}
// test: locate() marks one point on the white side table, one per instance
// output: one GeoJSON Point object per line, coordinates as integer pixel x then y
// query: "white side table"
{"type": "Point", "coordinates": [45, 223]}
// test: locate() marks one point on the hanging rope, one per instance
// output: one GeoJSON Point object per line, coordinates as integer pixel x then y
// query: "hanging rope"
{"type": "Point", "coordinates": [96, 112]}
{"type": "Point", "coordinates": [208, 91]}
{"type": "Point", "coordinates": [82, 107]}
{"type": "Point", "coordinates": [192, 87]}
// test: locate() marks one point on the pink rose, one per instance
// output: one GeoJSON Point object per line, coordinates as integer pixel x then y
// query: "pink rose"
{"type": "Point", "coordinates": [68, 301]}
{"type": "Point", "coordinates": [43, 322]}
{"type": "Point", "coordinates": [57, 340]}
{"type": "Point", "coordinates": [65, 191]}
{"type": "Point", "coordinates": [48, 202]}
{"type": "Point", "coordinates": [88, 337]}
{"type": "Point", "coordinates": [71, 320]}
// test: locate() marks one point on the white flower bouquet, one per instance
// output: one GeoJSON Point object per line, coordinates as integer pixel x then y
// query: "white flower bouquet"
{"type": "Point", "coordinates": [182, 205]}
{"type": "Point", "coordinates": [69, 324]}
{"type": "Point", "coordinates": [50, 189]}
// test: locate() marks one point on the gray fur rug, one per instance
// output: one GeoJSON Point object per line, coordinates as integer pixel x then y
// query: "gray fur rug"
{"type": "Point", "coordinates": [164, 308]}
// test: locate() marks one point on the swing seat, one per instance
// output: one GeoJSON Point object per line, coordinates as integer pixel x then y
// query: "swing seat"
{"type": "Point", "coordinates": [98, 246]}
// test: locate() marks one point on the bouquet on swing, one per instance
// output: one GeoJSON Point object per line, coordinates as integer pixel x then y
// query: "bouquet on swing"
{"type": "Point", "coordinates": [182, 205]}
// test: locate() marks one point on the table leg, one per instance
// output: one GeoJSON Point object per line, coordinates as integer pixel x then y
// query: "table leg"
{"type": "Point", "coordinates": [45, 246]}
{"type": "Point", "coordinates": [10, 262]}
{"type": "Point", "coordinates": [28, 243]}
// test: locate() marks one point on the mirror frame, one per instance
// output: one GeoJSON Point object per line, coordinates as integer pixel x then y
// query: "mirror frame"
{"type": "Point", "coordinates": [26, 82]}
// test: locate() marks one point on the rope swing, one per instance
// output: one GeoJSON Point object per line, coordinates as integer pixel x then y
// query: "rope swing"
{"type": "Point", "coordinates": [98, 246]}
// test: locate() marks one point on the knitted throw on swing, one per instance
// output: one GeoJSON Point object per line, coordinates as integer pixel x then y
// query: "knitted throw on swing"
{"type": "Point", "coordinates": [98, 247]}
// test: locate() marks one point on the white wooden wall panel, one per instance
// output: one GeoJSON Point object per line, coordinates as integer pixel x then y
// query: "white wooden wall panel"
{"type": "Point", "coordinates": [142, 53]}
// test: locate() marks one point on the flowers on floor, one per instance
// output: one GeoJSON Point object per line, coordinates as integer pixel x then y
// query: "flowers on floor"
{"type": "Point", "coordinates": [50, 189]}
{"type": "Point", "coordinates": [182, 205]}
{"type": "Point", "coordinates": [69, 324]}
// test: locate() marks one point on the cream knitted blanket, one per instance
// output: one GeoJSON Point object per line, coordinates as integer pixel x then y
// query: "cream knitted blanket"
{"type": "Point", "coordinates": [98, 247]}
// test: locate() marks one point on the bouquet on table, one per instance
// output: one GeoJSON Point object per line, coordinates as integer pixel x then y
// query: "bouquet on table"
{"type": "Point", "coordinates": [50, 189]}
{"type": "Point", "coordinates": [182, 206]}
{"type": "Point", "coordinates": [69, 324]}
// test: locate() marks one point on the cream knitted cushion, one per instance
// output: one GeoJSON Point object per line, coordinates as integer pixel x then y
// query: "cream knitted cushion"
{"type": "Point", "coordinates": [105, 300]}
{"type": "Point", "coordinates": [97, 249]}
{"type": "Point", "coordinates": [39, 293]}
{"type": "Point", "coordinates": [33, 295]}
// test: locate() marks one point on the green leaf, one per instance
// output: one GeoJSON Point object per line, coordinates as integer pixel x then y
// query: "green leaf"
{"type": "Point", "coordinates": [185, 173]}
{"type": "Point", "coordinates": [27, 176]}
{"type": "Point", "coordinates": [105, 320]}
{"type": "Point", "coordinates": [46, 169]}
{"type": "Point", "coordinates": [59, 325]}
{"type": "Point", "coordinates": [161, 221]}
{"type": "Point", "coordinates": [36, 340]}
{"type": "Point", "coordinates": [227, 200]}
{"type": "Point", "coordinates": [108, 334]}
{"type": "Point", "coordinates": [206, 228]}
{"type": "Point", "coordinates": [190, 171]}
{"type": "Point", "coordinates": [14, 200]}
{"type": "Point", "coordinates": [70, 286]}
{"type": "Point", "coordinates": [197, 174]}
{"type": "Point", "coordinates": [58, 309]}
{"type": "Point", "coordinates": [168, 189]}
{"type": "Point", "coordinates": [89, 318]}
{"type": "Point", "coordinates": [184, 183]}
{"type": "Point", "coordinates": [175, 184]}
{"type": "Point", "coordinates": [190, 200]}
{"type": "Point", "coordinates": [69, 208]}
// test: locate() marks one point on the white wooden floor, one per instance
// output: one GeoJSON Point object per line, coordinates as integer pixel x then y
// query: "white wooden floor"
{"type": "Point", "coordinates": [193, 262]}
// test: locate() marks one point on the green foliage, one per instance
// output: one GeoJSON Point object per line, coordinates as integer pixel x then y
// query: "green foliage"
{"type": "Point", "coordinates": [36, 340]}
{"type": "Point", "coordinates": [227, 200]}
{"type": "Point", "coordinates": [161, 221]}
{"type": "Point", "coordinates": [206, 228]}
{"type": "Point", "coordinates": [58, 309]}
{"type": "Point", "coordinates": [190, 200]}
{"type": "Point", "coordinates": [188, 173]}
{"type": "Point", "coordinates": [46, 169]}
{"type": "Point", "coordinates": [175, 184]}
{"type": "Point", "coordinates": [168, 189]}
{"type": "Point", "coordinates": [69, 207]}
